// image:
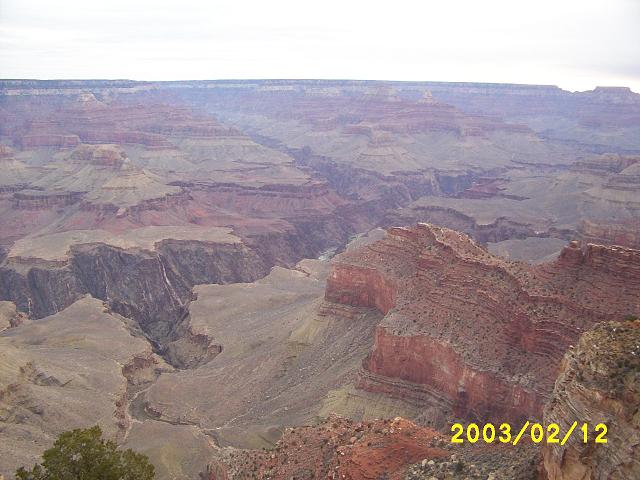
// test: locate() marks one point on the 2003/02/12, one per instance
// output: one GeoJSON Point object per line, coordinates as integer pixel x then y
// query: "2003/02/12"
{"type": "Point", "coordinates": [489, 433]}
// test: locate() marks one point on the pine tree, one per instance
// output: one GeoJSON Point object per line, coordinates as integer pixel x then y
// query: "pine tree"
{"type": "Point", "coordinates": [85, 455]}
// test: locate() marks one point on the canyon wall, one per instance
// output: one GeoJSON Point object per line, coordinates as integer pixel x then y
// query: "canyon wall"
{"type": "Point", "coordinates": [479, 336]}
{"type": "Point", "coordinates": [598, 383]}
{"type": "Point", "coordinates": [627, 233]}
{"type": "Point", "coordinates": [153, 288]}
{"type": "Point", "coordinates": [366, 288]}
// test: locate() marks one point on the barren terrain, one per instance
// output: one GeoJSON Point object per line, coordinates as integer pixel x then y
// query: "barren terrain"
{"type": "Point", "coordinates": [199, 267]}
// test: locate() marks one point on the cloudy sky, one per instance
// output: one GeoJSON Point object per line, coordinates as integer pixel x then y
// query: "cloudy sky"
{"type": "Point", "coordinates": [576, 44]}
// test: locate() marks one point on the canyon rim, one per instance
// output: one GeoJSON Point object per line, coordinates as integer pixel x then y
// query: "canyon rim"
{"type": "Point", "coordinates": [316, 279]}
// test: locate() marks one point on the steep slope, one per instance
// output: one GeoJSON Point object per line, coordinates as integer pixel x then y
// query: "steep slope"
{"type": "Point", "coordinates": [336, 448]}
{"type": "Point", "coordinates": [137, 193]}
{"type": "Point", "coordinates": [145, 274]}
{"type": "Point", "coordinates": [65, 371]}
{"type": "Point", "coordinates": [598, 383]}
{"type": "Point", "coordinates": [316, 153]}
{"type": "Point", "coordinates": [470, 333]}
{"type": "Point", "coordinates": [281, 354]}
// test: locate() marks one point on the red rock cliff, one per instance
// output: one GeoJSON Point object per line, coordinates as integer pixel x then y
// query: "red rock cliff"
{"type": "Point", "coordinates": [361, 287]}
{"type": "Point", "coordinates": [471, 332]}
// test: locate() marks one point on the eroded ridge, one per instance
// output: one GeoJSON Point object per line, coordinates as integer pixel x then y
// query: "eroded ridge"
{"type": "Point", "coordinates": [473, 333]}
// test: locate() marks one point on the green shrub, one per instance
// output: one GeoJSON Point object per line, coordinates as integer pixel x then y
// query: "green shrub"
{"type": "Point", "coordinates": [84, 455]}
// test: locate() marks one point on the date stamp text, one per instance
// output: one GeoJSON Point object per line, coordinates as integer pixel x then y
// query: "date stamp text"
{"type": "Point", "coordinates": [504, 433]}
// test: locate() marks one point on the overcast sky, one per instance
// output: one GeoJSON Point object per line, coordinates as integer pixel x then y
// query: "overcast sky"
{"type": "Point", "coordinates": [576, 44]}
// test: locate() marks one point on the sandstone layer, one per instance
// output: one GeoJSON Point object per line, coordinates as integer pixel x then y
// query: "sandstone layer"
{"type": "Point", "coordinates": [116, 155]}
{"type": "Point", "coordinates": [172, 202]}
{"type": "Point", "coordinates": [336, 448]}
{"type": "Point", "coordinates": [598, 383]}
{"type": "Point", "coordinates": [474, 334]}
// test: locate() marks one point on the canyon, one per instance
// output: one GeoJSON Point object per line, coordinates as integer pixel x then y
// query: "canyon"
{"type": "Point", "coordinates": [497, 325]}
{"type": "Point", "coordinates": [211, 268]}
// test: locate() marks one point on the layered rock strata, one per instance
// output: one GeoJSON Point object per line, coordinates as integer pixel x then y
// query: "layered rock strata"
{"type": "Point", "coordinates": [621, 233]}
{"type": "Point", "coordinates": [470, 332]}
{"type": "Point", "coordinates": [151, 286]}
{"type": "Point", "coordinates": [598, 383]}
{"type": "Point", "coordinates": [63, 372]}
{"type": "Point", "coordinates": [336, 448]}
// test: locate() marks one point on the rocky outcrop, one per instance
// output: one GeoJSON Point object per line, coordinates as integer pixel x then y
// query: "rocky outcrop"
{"type": "Point", "coordinates": [153, 285]}
{"type": "Point", "coordinates": [610, 106]}
{"type": "Point", "coordinates": [9, 316]}
{"type": "Point", "coordinates": [367, 105]}
{"type": "Point", "coordinates": [63, 372]}
{"type": "Point", "coordinates": [142, 368]}
{"type": "Point", "coordinates": [336, 448]}
{"type": "Point", "coordinates": [500, 229]}
{"type": "Point", "coordinates": [164, 201]}
{"type": "Point", "coordinates": [626, 234]}
{"type": "Point", "coordinates": [340, 448]}
{"type": "Point", "coordinates": [48, 140]}
{"type": "Point", "coordinates": [598, 383]}
{"type": "Point", "coordinates": [153, 288]}
{"type": "Point", "coordinates": [464, 333]}
{"type": "Point", "coordinates": [103, 155]}
{"type": "Point", "coordinates": [472, 333]}
{"type": "Point", "coordinates": [620, 189]}
{"type": "Point", "coordinates": [149, 140]}
{"type": "Point", "coordinates": [434, 373]}
{"type": "Point", "coordinates": [361, 287]}
{"type": "Point", "coordinates": [286, 200]}
{"type": "Point", "coordinates": [605, 164]}
{"type": "Point", "coordinates": [613, 260]}
{"type": "Point", "coordinates": [191, 350]}
{"type": "Point", "coordinates": [39, 200]}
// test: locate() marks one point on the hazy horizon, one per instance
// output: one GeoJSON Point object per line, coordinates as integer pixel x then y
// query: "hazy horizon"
{"type": "Point", "coordinates": [186, 80]}
{"type": "Point", "coordinates": [576, 45]}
